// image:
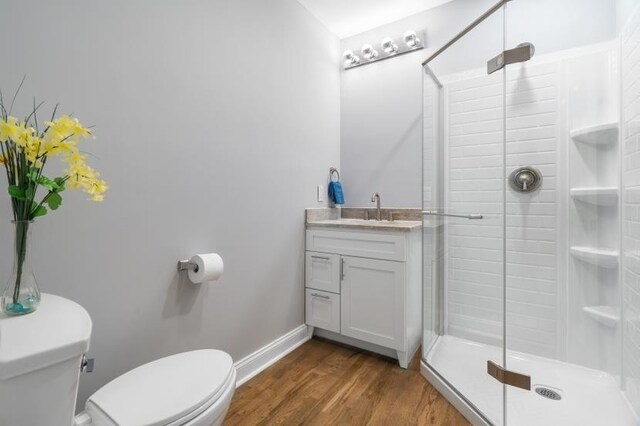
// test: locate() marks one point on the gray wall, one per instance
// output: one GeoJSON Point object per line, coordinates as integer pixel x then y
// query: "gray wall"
{"type": "Point", "coordinates": [214, 122]}
{"type": "Point", "coordinates": [381, 139]}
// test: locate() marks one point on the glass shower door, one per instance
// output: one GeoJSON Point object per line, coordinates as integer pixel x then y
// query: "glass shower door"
{"type": "Point", "coordinates": [564, 275]}
{"type": "Point", "coordinates": [463, 218]}
{"type": "Point", "coordinates": [530, 182]}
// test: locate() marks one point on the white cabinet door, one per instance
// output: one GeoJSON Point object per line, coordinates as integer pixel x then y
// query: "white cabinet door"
{"type": "Point", "coordinates": [372, 301]}
{"type": "Point", "coordinates": [323, 310]}
{"type": "Point", "coordinates": [322, 271]}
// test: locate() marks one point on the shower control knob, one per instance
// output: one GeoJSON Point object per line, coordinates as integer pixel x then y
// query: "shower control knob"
{"type": "Point", "coordinates": [525, 179]}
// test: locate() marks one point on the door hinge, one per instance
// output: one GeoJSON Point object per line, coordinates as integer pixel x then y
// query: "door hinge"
{"type": "Point", "coordinates": [507, 377]}
{"type": "Point", "coordinates": [522, 53]}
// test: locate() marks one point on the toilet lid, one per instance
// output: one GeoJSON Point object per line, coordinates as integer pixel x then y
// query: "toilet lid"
{"type": "Point", "coordinates": [165, 390]}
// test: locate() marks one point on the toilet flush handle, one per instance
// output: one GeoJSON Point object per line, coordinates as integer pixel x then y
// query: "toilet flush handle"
{"type": "Point", "coordinates": [87, 364]}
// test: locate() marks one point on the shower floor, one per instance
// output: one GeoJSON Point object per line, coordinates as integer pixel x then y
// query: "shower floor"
{"type": "Point", "coordinates": [589, 397]}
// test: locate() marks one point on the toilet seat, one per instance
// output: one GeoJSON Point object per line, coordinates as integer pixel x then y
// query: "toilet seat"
{"type": "Point", "coordinates": [171, 391]}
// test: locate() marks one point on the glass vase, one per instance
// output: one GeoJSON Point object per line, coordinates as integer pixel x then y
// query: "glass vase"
{"type": "Point", "coordinates": [21, 294]}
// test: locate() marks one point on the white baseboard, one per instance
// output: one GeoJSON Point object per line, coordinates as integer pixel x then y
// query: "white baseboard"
{"type": "Point", "coordinates": [264, 357]}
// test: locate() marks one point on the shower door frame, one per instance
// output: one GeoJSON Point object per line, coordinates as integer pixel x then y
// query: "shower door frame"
{"type": "Point", "coordinates": [442, 385]}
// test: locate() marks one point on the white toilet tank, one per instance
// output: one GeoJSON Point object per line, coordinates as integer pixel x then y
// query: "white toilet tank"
{"type": "Point", "coordinates": [40, 356]}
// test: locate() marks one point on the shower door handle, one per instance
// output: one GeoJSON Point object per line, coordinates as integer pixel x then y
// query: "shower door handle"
{"type": "Point", "coordinates": [471, 216]}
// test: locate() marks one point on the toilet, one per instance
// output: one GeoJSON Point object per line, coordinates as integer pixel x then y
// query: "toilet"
{"type": "Point", "coordinates": [40, 360]}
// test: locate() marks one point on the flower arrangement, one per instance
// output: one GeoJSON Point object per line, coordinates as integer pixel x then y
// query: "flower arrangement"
{"type": "Point", "coordinates": [24, 153]}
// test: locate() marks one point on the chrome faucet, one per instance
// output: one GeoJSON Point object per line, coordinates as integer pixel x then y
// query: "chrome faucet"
{"type": "Point", "coordinates": [375, 198]}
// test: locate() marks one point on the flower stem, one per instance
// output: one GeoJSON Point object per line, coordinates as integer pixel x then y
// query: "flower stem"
{"type": "Point", "coordinates": [22, 228]}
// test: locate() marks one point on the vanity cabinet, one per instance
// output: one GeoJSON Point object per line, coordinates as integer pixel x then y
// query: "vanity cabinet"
{"type": "Point", "coordinates": [364, 286]}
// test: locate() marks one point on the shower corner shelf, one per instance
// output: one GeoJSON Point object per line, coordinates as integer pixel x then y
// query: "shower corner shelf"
{"type": "Point", "coordinates": [606, 196]}
{"type": "Point", "coordinates": [598, 257]}
{"type": "Point", "coordinates": [601, 135]}
{"type": "Point", "coordinates": [605, 315]}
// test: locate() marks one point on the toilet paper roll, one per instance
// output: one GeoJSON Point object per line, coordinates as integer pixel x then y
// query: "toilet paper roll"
{"type": "Point", "coordinates": [209, 267]}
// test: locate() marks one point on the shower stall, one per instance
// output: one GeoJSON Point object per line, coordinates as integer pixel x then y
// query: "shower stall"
{"type": "Point", "coordinates": [531, 218]}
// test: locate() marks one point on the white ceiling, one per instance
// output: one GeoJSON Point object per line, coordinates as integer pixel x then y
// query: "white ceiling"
{"type": "Point", "coordinates": [345, 18]}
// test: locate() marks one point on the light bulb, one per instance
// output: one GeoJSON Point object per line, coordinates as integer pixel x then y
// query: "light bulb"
{"type": "Point", "coordinates": [411, 39]}
{"type": "Point", "coordinates": [350, 59]}
{"type": "Point", "coordinates": [389, 46]}
{"type": "Point", "coordinates": [369, 52]}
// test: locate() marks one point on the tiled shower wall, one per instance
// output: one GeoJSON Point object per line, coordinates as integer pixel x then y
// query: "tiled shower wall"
{"type": "Point", "coordinates": [631, 212]}
{"type": "Point", "coordinates": [475, 185]}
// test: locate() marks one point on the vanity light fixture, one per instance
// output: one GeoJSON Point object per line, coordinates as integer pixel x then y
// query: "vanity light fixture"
{"type": "Point", "coordinates": [411, 39]}
{"type": "Point", "coordinates": [368, 52]}
{"type": "Point", "coordinates": [350, 59]}
{"type": "Point", "coordinates": [389, 46]}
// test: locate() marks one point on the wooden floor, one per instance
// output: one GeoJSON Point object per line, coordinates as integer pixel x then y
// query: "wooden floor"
{"type": "Point", "coordinates": [323, 383]}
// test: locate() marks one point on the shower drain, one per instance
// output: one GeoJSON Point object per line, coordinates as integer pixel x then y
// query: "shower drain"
{"type": "Point", "coordinates": [548, 393]}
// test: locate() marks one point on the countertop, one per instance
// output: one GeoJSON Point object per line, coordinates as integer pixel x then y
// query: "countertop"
{"type": "Point", "coordinates": [371, 225]}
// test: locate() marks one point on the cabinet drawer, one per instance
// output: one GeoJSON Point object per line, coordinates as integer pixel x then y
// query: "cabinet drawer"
{"type": "Point", "coordinates": [373, 245]}
{"type": "Point", "coordinates": [322, 271]}
{"type": "Point", "coordinates": [323, 310]}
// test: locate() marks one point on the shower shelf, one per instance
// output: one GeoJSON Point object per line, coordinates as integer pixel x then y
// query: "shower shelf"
{"type": "Point", "coordinates": [603, 134]}
{"type": "Point", "coordinates": [607, 196]}
{"type": "Point", "coordinates": [598, 257]}
{"type": "Point", "coordinates": [606, 315]}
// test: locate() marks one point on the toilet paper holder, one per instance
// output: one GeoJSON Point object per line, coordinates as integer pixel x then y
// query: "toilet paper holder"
{"type": "Point", "coordinates": [202, 267]}
{"type": "Point", "coordinates": [185, 265]}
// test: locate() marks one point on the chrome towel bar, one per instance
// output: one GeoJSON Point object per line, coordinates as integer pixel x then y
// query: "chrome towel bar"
{"type": "Point", "coordinates": [464, 216]}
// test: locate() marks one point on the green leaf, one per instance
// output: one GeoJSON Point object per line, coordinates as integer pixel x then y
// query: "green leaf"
{"type": "Point", "coordinates": [37, 210]}
{"type": "Point", "coordinates": [54, 200]}
{"type": "Point", "coordinates": [48, 184]}
{"type": "Point", "coordinates": [16, 193]}
{"type": "Point", "coordinates": [43, 181]}
{"type": "Point", "coordinates": [60, 182]}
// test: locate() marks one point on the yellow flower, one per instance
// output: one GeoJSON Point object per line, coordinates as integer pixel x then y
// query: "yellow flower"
{"type": "Point", "coordinates": [62, 135]}
{"type": "Point", "coordinates": [67, 147]}
{"type": "Point", "coordinates": [83, 177]}
{"type": "Point", "coordinates": [67, 127]}
{"type": "Point", "coordinates": [10, 129]}
{"type": "Point", "coordinates": [32, 149]}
